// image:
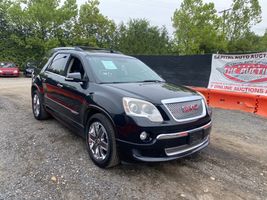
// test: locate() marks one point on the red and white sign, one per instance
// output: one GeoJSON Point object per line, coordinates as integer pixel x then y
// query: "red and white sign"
{"type": "Point", "coordinates": [245, 73]}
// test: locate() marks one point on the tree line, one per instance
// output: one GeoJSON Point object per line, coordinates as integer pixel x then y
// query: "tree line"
{"type": "Point", "coordinates": [29, 28]}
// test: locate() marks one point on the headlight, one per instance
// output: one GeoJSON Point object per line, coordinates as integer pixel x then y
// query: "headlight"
{"type": "Point", "coordinates": [1, 71]}
{"type": "Point", "coordinates": [140, 108]}
{"type": "Point", "coordinates": [15, 71]}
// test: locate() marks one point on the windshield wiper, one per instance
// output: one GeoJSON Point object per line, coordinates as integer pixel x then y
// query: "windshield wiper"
{"type": "Point", "coordinates": [145, 81]}
{"type": "Point", "coordinates": [112, 82]}
{"type": "Point", "coordinates": [155, 81]}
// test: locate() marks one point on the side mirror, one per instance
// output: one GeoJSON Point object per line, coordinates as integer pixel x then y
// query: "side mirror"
{"type": "Point", "coordinates": [74, 77]}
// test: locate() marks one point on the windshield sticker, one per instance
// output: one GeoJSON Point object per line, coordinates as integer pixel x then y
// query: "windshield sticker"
{"type": "Point", "coordinates": [109, 64]}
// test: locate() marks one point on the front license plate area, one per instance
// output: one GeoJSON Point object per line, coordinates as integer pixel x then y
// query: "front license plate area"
{"type": "Point", "coordinates": [196, 137]}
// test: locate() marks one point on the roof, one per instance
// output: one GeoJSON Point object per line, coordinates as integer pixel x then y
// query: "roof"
{"type": "Point", "coordinates": [93, 51]}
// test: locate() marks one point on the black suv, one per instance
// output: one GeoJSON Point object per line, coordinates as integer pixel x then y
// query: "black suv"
{"type": "Point", "coordinates": [123, 109]}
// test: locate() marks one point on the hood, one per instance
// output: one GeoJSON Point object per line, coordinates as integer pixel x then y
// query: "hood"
{"type": "Point", "coordinates": [152, 92]}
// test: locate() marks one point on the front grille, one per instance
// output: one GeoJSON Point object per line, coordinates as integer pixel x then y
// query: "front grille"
{"type": "Point", "coordinates": [185, 109]}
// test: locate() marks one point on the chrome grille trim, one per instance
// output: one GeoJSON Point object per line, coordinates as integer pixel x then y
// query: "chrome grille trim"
{"type": "Point", "coordinates": [183, 149]}
{"type": "Point", "coordinates": [182, 134]}
{"type": "Point", "coordinates": [185, 99]}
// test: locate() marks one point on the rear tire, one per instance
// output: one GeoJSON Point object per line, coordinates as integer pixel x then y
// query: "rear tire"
{"type": "Point", "coordinates": [100, 141]}
{"type": "Point", "coordinates": [38, 109]}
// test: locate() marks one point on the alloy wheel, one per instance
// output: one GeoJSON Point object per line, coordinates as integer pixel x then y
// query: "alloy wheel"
{"type": "Point", "coordinates": [36, 105]}
{"type": "Point", "coordinates": [98, 141]}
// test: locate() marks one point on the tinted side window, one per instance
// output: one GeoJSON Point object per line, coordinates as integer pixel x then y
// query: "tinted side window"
{"type": "Point", "coordinates": [58, 64]}
{"type": "Point", "coordinates": [76, 66]}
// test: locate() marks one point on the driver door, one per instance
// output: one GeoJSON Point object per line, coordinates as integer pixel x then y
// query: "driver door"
{"type": "Point", "coordinates": [74, 93]}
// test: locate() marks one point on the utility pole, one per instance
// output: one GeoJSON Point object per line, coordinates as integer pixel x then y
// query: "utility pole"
{"type": "Point", "coordinates": [224, 12]}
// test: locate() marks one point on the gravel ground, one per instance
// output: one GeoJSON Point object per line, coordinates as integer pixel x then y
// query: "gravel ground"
{"type": "Point", "coordinates": [44, 160]}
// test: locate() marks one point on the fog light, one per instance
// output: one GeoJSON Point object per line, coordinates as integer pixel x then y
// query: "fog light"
{"type": "Point", "coordinates": [143, 135]}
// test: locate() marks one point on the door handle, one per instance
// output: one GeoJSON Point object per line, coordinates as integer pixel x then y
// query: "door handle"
{"type": "Point", "coordinates": [60, 85]}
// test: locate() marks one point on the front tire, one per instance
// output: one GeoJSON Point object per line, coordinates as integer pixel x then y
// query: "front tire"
{"type": "Point", "coordinates": [38, 109]}
{"type": "Point", "coordinates": [100, 141]}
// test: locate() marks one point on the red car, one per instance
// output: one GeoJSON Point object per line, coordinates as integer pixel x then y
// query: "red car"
{"type": "Point", "coordinates": [9, 69]}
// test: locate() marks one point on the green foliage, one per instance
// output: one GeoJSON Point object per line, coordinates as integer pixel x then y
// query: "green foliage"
{"type": "Point", "coordinates": [93, 28]}
{"type": "Point", "coordinates": [263, 42]}
{"type": "Point", "coordinates": [29, 28]}
{"type": "Point", "coordinates": [250, 42]}
{"type": "Point", "coordinates": [35, 26]}
{"type": "Point", "coordinates": [197, 28]}
{"type": "Point", "coordinates": [242, 16]}
{"type": "Point", "coordinates": [139, 37]}
{"type": "Point", "coordinates": [200, 29]}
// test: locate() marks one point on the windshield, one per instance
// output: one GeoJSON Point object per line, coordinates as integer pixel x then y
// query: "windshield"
{"type": "Point", "coordinates": [7, 65]}
{"type": "Point", "coordinates": [121, 70]}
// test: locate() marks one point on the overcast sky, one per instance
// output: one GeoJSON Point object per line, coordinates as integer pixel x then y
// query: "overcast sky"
{"type": "Point", "coordinates": [159, 12]}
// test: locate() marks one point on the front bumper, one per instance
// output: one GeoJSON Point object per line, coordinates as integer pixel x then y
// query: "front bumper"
{"type": "Point", "coordinates": [167, 146]}
{"type": "Point", "coordinates": [9, 74]}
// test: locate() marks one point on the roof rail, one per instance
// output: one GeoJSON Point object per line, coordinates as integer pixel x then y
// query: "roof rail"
{"type": "Point", "coordinates": [67, 48]}
{"type": "Point", "coordinates": [52, 51]}
{"type": "Point", "coordinates": [88, 48]}
{"type": "Point", "coordinates": [83, 48]}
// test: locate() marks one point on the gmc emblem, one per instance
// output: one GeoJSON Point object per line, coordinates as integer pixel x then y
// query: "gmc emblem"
{"type": "Point", "coordinates": [190, 108]}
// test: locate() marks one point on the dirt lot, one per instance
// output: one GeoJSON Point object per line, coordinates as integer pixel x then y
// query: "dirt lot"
{"type": "Point", "coordinates": [44, 160]}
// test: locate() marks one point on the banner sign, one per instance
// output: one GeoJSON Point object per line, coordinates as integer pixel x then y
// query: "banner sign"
{"type": "Point", "coordinates": [245, 73]}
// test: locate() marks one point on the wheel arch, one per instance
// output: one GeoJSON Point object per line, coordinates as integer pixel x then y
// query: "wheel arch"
{"type": "Point", "coordinates": [91, 110]}
{"type": "Point", "coordinates": [36, 87]}
{"type": "Point", "coordinates": [33, 88]}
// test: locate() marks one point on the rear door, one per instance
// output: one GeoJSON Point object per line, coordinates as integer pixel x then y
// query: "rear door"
{"type": "Point", "coordinates": [53, 87]}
